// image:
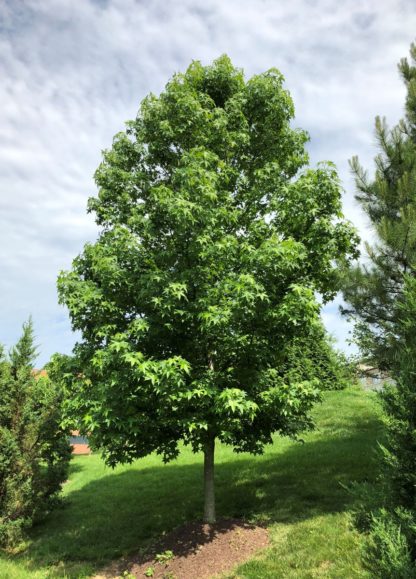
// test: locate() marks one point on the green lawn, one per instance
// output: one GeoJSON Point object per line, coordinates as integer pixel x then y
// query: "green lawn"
{"type": "Point", "coordinates": [297, 489]}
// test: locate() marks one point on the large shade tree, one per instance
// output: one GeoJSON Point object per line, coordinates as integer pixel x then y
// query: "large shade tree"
{"type": "Point", "coordinates": [374, 289]}
{"type": "Point", "coordinates": [212, 248]}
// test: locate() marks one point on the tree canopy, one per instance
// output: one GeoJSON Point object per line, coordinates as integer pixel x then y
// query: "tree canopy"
{"type": "Point", "coordinates": [214, 241]}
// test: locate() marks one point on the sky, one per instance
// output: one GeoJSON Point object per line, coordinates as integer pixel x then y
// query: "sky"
{"type": "Point", "coordinates": [73, 72]}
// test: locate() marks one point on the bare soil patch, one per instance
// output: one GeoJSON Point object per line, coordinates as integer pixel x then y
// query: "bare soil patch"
{"type": "Point", "coordinates": [195, 551]}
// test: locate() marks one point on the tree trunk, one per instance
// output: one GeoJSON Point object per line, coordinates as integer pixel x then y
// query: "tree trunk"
{"type": "Point", "coordinates": [209, 492]}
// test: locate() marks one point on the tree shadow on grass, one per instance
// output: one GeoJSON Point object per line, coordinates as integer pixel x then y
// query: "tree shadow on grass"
{"type": "Point", "coordinates": [75, 467]}
{"type": "Point", "coordinates": [125, 512]}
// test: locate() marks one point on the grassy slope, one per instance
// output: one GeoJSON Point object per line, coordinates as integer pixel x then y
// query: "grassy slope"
{"type": "Point", "coordinates": [295, 488]}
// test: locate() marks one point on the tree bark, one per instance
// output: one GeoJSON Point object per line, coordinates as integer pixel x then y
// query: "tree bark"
{"type": "Point", "coordinates": [209, 491]}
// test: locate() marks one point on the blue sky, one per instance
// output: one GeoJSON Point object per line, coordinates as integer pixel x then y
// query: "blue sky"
{"type": "Point", "coordinates": [73, 72]}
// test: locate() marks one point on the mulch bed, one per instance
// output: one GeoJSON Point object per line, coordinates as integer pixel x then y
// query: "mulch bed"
{"type": "Point", "coordinates": [198, 551]}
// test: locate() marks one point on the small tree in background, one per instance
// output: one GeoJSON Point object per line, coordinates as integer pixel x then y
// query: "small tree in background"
{"type": "Point", "coordinates": [211, 250]}
{"type": "Point", "coordinates": [34, 450]}
{"type": "Point", "coordinates": [314, 357]}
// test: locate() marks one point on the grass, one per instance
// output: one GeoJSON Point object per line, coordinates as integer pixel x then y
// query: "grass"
{"type": "Point", "coordinates": [297, 489]}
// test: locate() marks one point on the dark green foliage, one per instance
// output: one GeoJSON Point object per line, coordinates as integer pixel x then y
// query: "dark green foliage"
{"type": "Point", "coordinates": [212, 248]}
{"type": "Point", "coordinates": [383, 301]}
{"type": "Point", "coordinates": [34, 450]}
{"type": "Point", "coordinates": [314, 358]}
{"type": "Point", "coordinates": [387, 554]}
{"type": "Point", "coordinates": [388, 510]}
{"type": "Point", "coordinates": [374, 291]}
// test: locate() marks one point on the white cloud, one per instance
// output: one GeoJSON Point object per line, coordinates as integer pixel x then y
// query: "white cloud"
{"type": "Point", "coordinates": [73, 72]}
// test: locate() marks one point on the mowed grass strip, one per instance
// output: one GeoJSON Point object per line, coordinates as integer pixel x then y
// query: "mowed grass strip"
{"type": "Point", "coordinates": [296, 488]}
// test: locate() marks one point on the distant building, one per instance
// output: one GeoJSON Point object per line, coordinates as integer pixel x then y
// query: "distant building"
{"type": "Point", "coordinates": [79, 443]}
{"type": "Point", "coordinates": [372, 378]}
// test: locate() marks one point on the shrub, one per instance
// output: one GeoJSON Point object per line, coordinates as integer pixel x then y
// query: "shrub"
{"type": "Point", "coordinates": [388, 553]}
{"type": "Point", "coordinates": [34, 448]}
{"type": "Point", "coordinates": [388, 509]}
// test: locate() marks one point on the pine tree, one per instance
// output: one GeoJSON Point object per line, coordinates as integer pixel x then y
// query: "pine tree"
{"type": "Point", "coordinates": [34, 448]}
{"type": "Point", "coordinates": [374, 290]}
{"type": "Point", "coordinates": [382, 296]}
{"type": "Point", "coordinates": [388, 510]}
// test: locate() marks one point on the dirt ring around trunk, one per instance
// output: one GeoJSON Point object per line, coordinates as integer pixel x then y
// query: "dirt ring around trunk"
{"type": "Point", "coordinates": [194, 551]}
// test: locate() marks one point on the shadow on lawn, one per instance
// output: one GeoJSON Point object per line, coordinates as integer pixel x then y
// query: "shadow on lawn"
{"type": "Point", "coordinates": [75, 467]}
{"type": "Point", "coordinates": [124, 512]}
